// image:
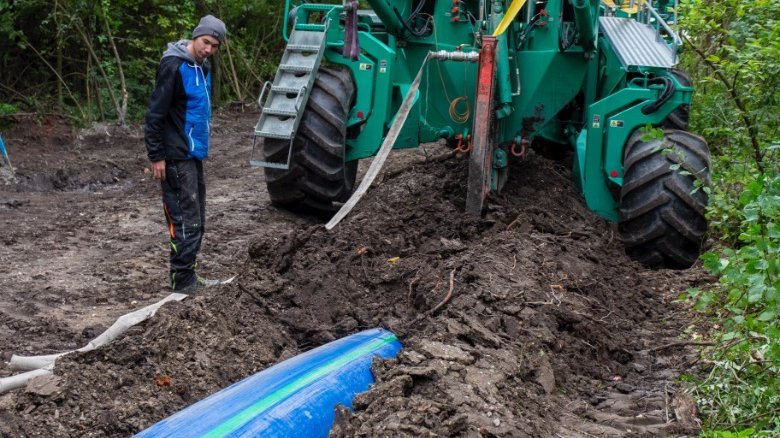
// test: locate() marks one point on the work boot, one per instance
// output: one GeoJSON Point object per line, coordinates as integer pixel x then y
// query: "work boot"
{"type": "Point", "coordinates": [205, 282]}
{"type": "Point", "coordinates": [197, 285]}
{"type": "Point", "coordinates": [192, 289]}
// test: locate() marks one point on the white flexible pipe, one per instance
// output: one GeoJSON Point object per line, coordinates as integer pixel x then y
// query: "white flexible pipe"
{"type": "Point", "coordinates": [19, 380]}
{"type": "Point", "coordinates": [124, 322]}
{"type": "Point", "coordinates": [43, 365]}
{"type": "Point", "coordinates": [384, 150]}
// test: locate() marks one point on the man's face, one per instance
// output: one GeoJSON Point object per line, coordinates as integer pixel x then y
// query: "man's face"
{"type": "Point", "coordinates": [204, 46]}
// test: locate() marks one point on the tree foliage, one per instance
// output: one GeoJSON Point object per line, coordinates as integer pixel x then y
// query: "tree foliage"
{"type": "Point", "coordinates": [734, 57]}
{"type": "Point", "coordinates": [733, 54]}
{"type": "Point", "coordinates": [743, 386]}
{"type": "Point", "coordinates": [96, 59]}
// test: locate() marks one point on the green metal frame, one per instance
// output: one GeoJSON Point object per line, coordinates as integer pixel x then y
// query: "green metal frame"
{"type": "Point", "coordinates": [598, 158]}
{"type": "Point", "coordinates": [542, 92]}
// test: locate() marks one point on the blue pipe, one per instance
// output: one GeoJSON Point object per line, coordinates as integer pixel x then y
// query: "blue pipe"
{"type": "Point", "coordinates": [3, 152]}
{"type": "Point", "coordinates": [294, 398]}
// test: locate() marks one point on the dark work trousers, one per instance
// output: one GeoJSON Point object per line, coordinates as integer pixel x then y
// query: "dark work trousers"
{"type": "Point", "coordinates": [184, 203]}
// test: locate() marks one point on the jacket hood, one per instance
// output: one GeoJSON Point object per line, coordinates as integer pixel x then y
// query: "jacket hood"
{"type": "Point", "coordinates": [179, 50]}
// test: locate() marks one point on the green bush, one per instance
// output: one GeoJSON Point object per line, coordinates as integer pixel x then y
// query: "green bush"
{"type": "Point", "coordinates": [59, 56]}
{"type": "Point", "coordinates": [733, 54]}
{"type": "Point", "coordinates": [743, 385]}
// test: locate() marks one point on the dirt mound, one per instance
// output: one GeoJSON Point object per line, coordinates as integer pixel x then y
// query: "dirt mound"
{"type": "Point", "coordinates": [531, 321]}
{"type": "Point", "coordinates": [540, 305]}
{"type": "Point", "coordinates": [48, 156]}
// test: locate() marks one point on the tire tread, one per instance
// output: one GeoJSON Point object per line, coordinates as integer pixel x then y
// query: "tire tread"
{"type": "Point", "coordinates": [318, 175]}
{"type": "Point", "coordinates": [662, 216]}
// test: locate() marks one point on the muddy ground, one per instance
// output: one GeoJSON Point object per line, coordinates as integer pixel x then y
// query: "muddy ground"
{"type": "Point", "coordinates": [550, 330]}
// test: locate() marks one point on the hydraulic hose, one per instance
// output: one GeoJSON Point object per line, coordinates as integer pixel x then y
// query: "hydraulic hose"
{"type": "Point", "coordinates": [666, 94]}
{"type": "Point", "coordinates": [385, 10]}
{"type": "Point", "coordinates": [409, 22]}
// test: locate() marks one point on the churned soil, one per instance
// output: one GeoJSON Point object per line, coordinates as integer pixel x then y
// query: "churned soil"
{"type": "Point", "coordinates": [530, 321]}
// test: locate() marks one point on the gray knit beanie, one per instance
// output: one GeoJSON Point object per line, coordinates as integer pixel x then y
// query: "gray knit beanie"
{"type": "Point", "coordinates": [211, 26]}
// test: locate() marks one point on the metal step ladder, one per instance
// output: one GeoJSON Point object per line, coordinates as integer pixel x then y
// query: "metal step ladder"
{"type": "Point", "coordinates": [639, 42]}
{"type": "Point", "coordinates": [282, 110]}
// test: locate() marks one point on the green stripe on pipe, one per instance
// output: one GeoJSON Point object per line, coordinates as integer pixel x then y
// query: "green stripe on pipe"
{"type": "Point", "coordinates": [243, 417]}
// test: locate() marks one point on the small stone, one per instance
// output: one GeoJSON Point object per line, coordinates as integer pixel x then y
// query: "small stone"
{"type": "Point", "coordinates": [418, 371]}
{"type": "Point", "coordinates": [413, 357]}
{"type": "Point", "coordinates": [44, 385]}
{"type": "Point", "coordinates": [496, 422]}
{"type": "Point", "coordinates": [445, 352]}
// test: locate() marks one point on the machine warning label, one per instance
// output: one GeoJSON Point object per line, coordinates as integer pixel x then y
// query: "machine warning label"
{"type": "Point", "coordinates": [383, 66]}
{"type": "Point", "coordinates": [596, 121]}
{"type": "Point", "coordinates": [616, 123]}
{"type": "Point", "coordinates": [365, 66]}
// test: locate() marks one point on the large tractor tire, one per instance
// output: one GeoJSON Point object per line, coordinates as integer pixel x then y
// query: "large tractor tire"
{"type": "Point", "coordinates": [662, 222]}
{"type": "Point", "coordinates": [679, 118]}
{"type": "Point", "coordinates": [318, 175]}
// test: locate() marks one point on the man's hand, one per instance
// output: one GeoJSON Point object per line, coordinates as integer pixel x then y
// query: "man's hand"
{"type": "Point", "coordinates": [158, 170]}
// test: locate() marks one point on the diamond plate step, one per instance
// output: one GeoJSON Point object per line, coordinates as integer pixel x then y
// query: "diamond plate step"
{"type": "Point", "coordinates": [637, 44]}
{"type": "Point", "coordinates": [303, 48]}
{"type": "Point", "coordinates": [296, 68]}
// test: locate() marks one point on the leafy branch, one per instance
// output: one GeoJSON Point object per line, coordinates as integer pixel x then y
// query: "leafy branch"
{"type": "Point", "coordinates": [78, 24]}
{"type": "Point", "coordinates": [731, 88]}
{"type": "Point", "coordinates": [122, 109]}
{"type": "Point", "coordinates": [56, 73]}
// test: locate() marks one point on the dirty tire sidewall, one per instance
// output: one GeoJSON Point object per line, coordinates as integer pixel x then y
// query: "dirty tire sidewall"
{"type": "Point", "coordinates": [662, 216]}
{"type": "Point", "coordinates": [318, 174]}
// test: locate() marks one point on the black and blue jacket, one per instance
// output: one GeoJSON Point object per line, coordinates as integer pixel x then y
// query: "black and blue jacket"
{"type": "Point", "coordinates": [179, 113]}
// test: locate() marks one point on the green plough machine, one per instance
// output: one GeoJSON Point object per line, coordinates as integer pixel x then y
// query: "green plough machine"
{"type": "Point", "coordinates": [493, 78]}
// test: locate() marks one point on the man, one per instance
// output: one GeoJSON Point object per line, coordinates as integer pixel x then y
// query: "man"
{"type": "Point", "coordinates": [177, 140]}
